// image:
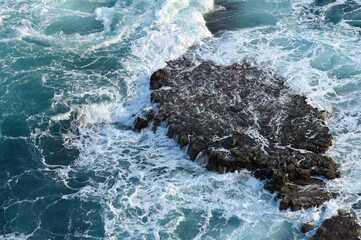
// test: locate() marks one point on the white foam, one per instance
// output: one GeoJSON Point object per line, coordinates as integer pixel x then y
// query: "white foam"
{"type": "Point", "coordinates": [2, 17]}
{"type": "Point", "coordinates": [14, 236]}
{"type": "Point", "coordinates": [154, 189]}
{"type": "Point", "coordinates": [149, 187]}
{"type": "Point", "coordinates": [104, 15]}
{"type": "Point", "coordinates": [61, 116]}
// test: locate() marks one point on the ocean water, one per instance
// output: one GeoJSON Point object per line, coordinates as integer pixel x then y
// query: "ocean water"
{"type": "Point", "coordinates": [74, 72]}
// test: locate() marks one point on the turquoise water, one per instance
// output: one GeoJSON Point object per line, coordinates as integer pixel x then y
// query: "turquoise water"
{"type": "Point", "coordinates": [74, 72]}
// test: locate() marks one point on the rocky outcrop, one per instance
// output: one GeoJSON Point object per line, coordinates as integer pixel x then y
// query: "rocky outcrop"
{"type": "Point", "coordinates": [240, 117]}
{"type": "Point", "coordinates": [341, 226]}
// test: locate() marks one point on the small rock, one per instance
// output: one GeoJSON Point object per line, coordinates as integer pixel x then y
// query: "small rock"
{"type": "Point", "coordinates": [295, 206]}
{"type": "Point", "coordinates": [220, 169]}
{"type": "Point", "coordinates": [196, 147]}
{"type": "Point", "coordinates": [238, 107]}
{"type": "Point", "coordinates": [183, 140]}
{"type": "Point", "coordinates": [285, 189]}
{"type": "Point", "coordinates": [150, 115]}
{"type": "Point", "coordinates": [158, 79]}
{"type": "Point", "coordinates": [307, 227]}
{"type": "Point", "coordinates": [155, 97]}
{"type": "Point", "coordinates": [140, 123]}
{"type": "Point", "coordinates": [284, 204]}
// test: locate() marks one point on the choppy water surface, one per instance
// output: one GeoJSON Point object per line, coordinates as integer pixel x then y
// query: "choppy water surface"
{"type": "Point", "coordinates": [74, 72]}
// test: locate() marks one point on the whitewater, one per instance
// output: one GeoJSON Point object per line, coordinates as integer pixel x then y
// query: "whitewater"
{"type": "Point", "coordinates": [74, 74]}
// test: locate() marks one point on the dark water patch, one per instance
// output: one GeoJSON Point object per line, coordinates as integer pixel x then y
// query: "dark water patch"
{"type": "Point", "coordinates": [23, 218]}
{"type": "Point", "coordinates": [30, 97]}
{"type": "Point", "coordinates": [68, 217]}
{"type": "Point", "coordinates": [218, 221]}
{"type": "Point", "coordinates": [232, 15]}
{"type": "Point", "coordinates": [24, 63]}
{"type": "Point", "coordinates": [55, 153]}
{"type": "Point", "coordinates": [29, 194]}
{"type": "Point", "coordinates": [34, 200]}
{"type": "Point", "coordinates": [14, 125]}
{"type": "Point", "coordinates": [343, 11]}
{"type": "Point", "coordinates": [349, 12]}
{"type": "Point", "coordinates": [79, 180]}
{"type": "Point", "coordinates": [73, 24]}
{"type": "Point", "coordinates": [32, 184]}
{"type": "Point", "coordinates": [39, 42]}
{"type": "Point", "coordinates": [15, 157]}
{"type": "Point", "coordinates": [324, 2]}
{"type": "Point", "coordinates": [354, 23]}
{"type": "Point", "coordinates": [188, 229]}
{"type": "Point", "coordinates": [55, 218]}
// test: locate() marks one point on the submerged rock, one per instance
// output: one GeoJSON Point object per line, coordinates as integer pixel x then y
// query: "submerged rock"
{"type": "Point", "coordinates": [240, 117]}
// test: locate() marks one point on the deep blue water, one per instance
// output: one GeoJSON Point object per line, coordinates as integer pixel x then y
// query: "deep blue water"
{"type": "Point", "coordinates": [73, 73]}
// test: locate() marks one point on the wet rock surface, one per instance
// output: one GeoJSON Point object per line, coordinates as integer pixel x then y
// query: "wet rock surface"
{"type": "Point", "coordinates": [341, 226]}
{"type": "Point", "coordinates": [240, 117]}
{"type": "Point", "coordinates": [307, 227]}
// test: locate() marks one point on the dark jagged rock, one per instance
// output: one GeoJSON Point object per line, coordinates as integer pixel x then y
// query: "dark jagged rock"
{"type": "Point", "coordinates": [341, 226]}
{"type": "Point", "coordinates": [159, 79]}
{"type": "Point", "coordinates": [243, 118]}
{"type": "Point", "coordinates": [140, 123]}
{"type": "Point", "coordinates": [307, 227]}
